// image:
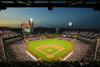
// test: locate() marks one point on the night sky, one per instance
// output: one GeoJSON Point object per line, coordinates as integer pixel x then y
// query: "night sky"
{"type": "Point", "coordinates": [56, 18]}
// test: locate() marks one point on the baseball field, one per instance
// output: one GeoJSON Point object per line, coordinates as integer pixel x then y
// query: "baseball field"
{"type": "Point", "coordinates": [49, 49]}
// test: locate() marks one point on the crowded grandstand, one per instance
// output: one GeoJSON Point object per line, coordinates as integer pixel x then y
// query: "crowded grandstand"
{"type": "Point", "coordinates": [86, 48]}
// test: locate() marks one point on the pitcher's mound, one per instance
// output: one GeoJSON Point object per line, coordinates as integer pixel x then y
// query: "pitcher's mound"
{"type": "Point", "coordinates": [49, 50]}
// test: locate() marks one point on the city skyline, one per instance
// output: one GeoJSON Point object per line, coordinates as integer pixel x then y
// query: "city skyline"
{"type": "Point", "coordinates": [58, 17]}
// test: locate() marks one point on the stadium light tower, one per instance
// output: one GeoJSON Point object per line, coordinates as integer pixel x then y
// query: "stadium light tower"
{"type": "Point", "coordinates": [31, 23]}
{"type": "Point", "coordinates": [31, 20]}
{"type": "Point", "coordinates": [70, 24]}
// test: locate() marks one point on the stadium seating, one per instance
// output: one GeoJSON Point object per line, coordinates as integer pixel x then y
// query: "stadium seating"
{"type": "Point", "coordinates": [1, 51]}
{"type": "Point", "coordinates": [86, 36]}
{"type": "Point", "coordinates": [50, 64]}
{"type": "Point", "coordinates": [83, 48]}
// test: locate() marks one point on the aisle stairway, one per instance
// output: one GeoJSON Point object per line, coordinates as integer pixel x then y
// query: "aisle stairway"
{"type": "Point", "coordinates": [98, 50]}
{"type": "Point", "coordinates": [1, 51]}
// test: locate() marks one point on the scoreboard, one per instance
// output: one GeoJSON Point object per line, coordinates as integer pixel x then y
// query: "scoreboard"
{"type": "Point", "coordinates": [25, 28]}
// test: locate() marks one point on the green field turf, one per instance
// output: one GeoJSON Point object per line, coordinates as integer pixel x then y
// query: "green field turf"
{"type": "Point", "coordinates": [49, 48]}
{"type": "Point", "coordinates": [67, 45]}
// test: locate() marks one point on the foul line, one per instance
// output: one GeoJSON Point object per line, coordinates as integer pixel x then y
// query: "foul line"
{"type": "Point", "coordinates": [67, 56]}
{"type": "Point", "coordinates": [58, 51]}
{"type": "Point", "coordinates": [31, 55]}
{"type": "Point", "coordinates": [42, 52]}
{"type": "Point", "coordinates": [52, 54]}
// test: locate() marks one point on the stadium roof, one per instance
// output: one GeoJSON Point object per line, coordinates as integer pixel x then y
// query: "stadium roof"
{"type": "Point", "coordinates": [50, 3]}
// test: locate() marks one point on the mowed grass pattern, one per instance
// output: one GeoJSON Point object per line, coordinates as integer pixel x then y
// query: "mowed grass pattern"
{"type": "Point", "coordinates": [34, 44]}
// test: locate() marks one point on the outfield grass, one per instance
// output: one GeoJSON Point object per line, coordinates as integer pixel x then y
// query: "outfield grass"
{"type": "Point", "coordinates": [67, 45]}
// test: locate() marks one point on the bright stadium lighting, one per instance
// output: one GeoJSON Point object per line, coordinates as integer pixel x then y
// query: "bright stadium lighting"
{"type": "Point", "coordinates": [70, 23]}
{"type": "Point", "coordinates": [31, 20]}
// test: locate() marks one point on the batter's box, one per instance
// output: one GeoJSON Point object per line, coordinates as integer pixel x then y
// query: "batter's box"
{"type": "Point", "coordinates": [50, 50]}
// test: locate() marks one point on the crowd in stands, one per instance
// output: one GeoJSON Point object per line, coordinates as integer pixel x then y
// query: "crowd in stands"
{"type": "Point", "coordinates": [50, 64]}
{"type": "Point", "coordinates": [98, 50]}
{"type": "Point", "coordinates": [5, 34]}
{"type": "Point", "coordinates": [86, 36]}
{"type": "Point", "coordinates": [16, 51]}
{"type": "Point", "coordinates": [81, 51]}
{"type": "Point", "coordinates": [8, 33]}
{"type": "Point", "coordinates": [1, 51]}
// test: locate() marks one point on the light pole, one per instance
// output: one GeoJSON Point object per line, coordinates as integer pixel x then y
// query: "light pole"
{"type": "Point", "coordinates": [70, 25]}
{"type": "Point", "coordinates": [31, 23]}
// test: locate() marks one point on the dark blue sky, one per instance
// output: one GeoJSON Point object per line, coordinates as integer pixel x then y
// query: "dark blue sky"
{"type": "Point", "coordinates": [58, 17]}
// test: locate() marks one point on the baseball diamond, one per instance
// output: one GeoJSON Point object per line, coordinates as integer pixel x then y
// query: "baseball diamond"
{"type": "Point", "coordinates": [49, 49]}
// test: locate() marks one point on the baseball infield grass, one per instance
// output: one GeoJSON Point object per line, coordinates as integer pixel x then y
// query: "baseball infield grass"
{"type": "Point", "coordinates": [49, 49]}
